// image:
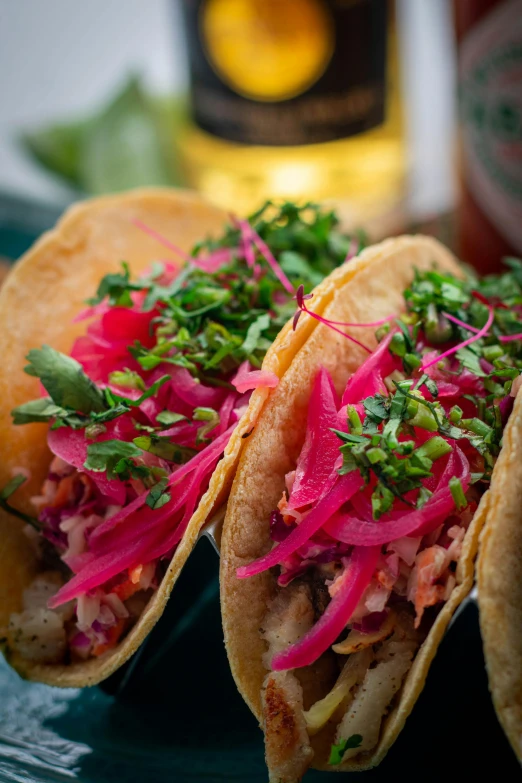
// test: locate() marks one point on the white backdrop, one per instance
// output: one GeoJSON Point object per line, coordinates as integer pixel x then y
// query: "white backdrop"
{"type": "Point", "coordinates": [60, 57]}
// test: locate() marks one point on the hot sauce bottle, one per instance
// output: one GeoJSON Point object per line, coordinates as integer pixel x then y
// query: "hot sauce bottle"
{"type": "Point", "coordinates": [489, 39]}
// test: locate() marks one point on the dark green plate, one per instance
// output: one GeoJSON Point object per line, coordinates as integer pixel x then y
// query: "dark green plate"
{"type": "Point", "coordinates": [173, 713]}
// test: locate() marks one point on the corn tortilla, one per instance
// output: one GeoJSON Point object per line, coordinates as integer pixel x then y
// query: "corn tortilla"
{"type": "Point", "coordinates": [368, 288]}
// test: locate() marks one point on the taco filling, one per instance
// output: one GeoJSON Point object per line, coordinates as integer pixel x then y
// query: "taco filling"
{"type": "Point", "coordinates": [369, 530]}
{"type": "Point", "coordinates": [141, 412]}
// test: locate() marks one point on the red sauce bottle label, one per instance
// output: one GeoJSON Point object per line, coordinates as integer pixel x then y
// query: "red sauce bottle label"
{"type": "Point", "coordinates": [490, 75]}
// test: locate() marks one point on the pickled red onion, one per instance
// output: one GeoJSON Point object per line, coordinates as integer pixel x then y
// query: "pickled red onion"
{"type": "Point", "coordinates": [246, 379]}
{"type": "Point", "coordinates": [342, 491]}
{"type": "Point", "coordinates": [369, 378]}
{"type": "Point", "coordinates": [315, 471]}
{"type": "Point", "coordinates": [358, 572]}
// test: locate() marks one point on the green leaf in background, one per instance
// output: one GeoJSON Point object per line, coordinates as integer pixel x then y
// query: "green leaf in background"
{"type": "Point", "coordinates": [131, 142]}
{"type": "Point", "coordinates": [58, 149]}
{"type": "Point", "coordinates": [122, 148]}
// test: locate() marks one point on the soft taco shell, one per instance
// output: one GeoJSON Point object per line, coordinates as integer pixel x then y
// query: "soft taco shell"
{"type": "Point", "coordinates": [368, 288]}
{"type": "Point", "coordinates": [38, 302]}
{"type": "Point", "coordinates": [499, 577]}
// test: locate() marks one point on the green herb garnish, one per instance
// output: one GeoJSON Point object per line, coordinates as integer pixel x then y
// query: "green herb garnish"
{"type": "Point", "coordinates": [157, 496]}
{"type": "Point", "coordinates": [164, 448]}
{"type": "Point", "coordinates": [65, 381]}
{"type": "Point", "coordinates": [337, 751]}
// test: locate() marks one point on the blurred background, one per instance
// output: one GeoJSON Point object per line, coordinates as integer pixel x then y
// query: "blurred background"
{"type": "Point", "coordinates": [347, 100]}
{"type": "Point", "coordinates": [94, 97]}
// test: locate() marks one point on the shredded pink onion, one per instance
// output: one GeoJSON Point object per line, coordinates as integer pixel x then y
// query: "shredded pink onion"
{"type": "Point", "coordinates": [271, 261]}
{"type": "Point", "coordinates": [246, 379]}
{"type": "Point", "coordinates": [98, 570]}
{"type": "Point", "coordinates": [315, 472]}
{"type": "Point", "coordinates": [368, 380]}
{"type": "Point", "coordinates": [342, 491]}
{"type": "Point", "coordinates": [195, 394]}
{"type": "Point", "coordinates": [350, 587]}
{"type": "Point", "coordinates": [225, 412]}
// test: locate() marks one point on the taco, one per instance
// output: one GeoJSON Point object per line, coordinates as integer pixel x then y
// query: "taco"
{"type": "Point", "coordinates": [353, 520]}
{"type": "Point", "coordinates": [121, 437]}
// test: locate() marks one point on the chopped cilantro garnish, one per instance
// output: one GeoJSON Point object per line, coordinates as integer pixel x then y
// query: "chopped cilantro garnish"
{"type": "Point", "coordinates": [169, 418]}
{"type": "Point", "coordinates": [114, 457]}
{"type": "Point", "coordinates": [383, 449]}
{"type": "Point", "coordinates": [209, 323]}
{"type": "Point", "coordinates": [127, 379]}
{"type": "Point", "coordinates": [337, 751]}
{"type": "Point", "coordinates": [117, 287]}
{"type": "Point", "coordinates": [164, 448]}
{"type": "Point", "coordinates": [208, 415]}
{"type": "Point", "coordinates": [457, 493]}
{"type": "Point", "coordinates": [157, 496]}
{"type": "Point", "coordinates": [41, 410]}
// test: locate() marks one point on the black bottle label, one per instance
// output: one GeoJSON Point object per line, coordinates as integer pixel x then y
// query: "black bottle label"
{"type": "Point", "coordinates": [287, 72]}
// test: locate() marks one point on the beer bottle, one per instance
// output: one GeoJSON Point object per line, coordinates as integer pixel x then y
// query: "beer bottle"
{"type": "Point", "coordinates": [294, 99]}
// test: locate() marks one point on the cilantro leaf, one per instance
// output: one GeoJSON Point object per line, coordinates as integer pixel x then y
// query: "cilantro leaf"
{"type": "Point", "coordinates": [164, 448]}
{"type": "Point", "coordinates": [127, 379]}
{"type": "Point", "coordinates": [112, 397]}
{"type": "Point", "coordinates": [337, 751]}
{"type": "Point", "coordinates": [211, 417]}
{"type": "Point", "coordinates": [253, 334]}
{"type": "Point", "coordinates": [169, 418]}
{"type": "Point", "coordinates": [107, 455]}
{"type": "Point", "coordinates": [376, 407]}
{"type": "Point", "coordinates": [117, 287]}
{"type": "Point", "coordinates": [157, 496]}
{"type": "Point", "coordinates": [469, 359]}
{"type": "Point", "coordinates": [41, 410]}
{"type": "Point", "coordinates": [65, 381]}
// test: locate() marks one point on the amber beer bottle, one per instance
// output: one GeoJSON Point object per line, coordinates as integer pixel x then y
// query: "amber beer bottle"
{"type": "Point", "coordinates": [489, 38]}
{"type": "Point", "coordinates": [296, 99]}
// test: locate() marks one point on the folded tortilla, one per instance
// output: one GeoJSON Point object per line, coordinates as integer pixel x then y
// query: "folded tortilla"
{"type": "Point", "coordinates": [46, 289]}
{"type": "Point", "coordinates": [368, 288]}
{"type": "Point", "coordinates": [499, 579]}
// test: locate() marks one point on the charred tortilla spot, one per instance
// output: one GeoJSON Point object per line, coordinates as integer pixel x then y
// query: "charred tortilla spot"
{"type": "Point", "coordinates": [279, 716]}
